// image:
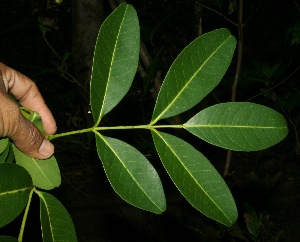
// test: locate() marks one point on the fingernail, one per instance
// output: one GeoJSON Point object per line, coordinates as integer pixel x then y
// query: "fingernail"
{"type": "Point", "coordinates": [46, 149]}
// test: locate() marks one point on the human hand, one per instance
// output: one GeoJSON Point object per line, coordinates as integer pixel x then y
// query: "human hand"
{"type": "Point", "coordinates": [13, 124]}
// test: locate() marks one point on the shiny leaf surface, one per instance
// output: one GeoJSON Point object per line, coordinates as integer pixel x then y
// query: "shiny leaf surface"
{"type": "Point", "coordinates": [57, 225]}
{"type": "Point", "coordinates": [197, 180]}
{"type": "Point", "coordinates": [45, 173]}
{"type": "Point", "coordinates": [196, 72]}
{"type": "Point", "coordinates": [131, 175]}
{"type": "Point", "coordinates": [15, 186]}
{"type": "Point", "coordinates": [239, 126]}
{"type": "Point", "coordinates": [115, 60]}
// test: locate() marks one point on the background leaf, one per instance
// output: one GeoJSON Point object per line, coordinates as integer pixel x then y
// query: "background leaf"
{"type": "Point", "coordinates": [4, 154]}
{"type": "Point", "coordinates": [45, 173]}
{"type": "Point", "coordinates": [15, 186]}
{"type": "Point", "coordinates": [57, 224]}
{"type": "Point", "coordinates": [239, 126]}
{"type": "Point", "coordinates": [153, 68]}
{"type": "Point", "coordinates": [7, 155]}
{"type": "Point", "coordinates": [8, 239]}
{"type": "Point", "coordinates": [197, 180]}
{"type": "Point", "coordinates": [3, 144]}
{"type": "Point", "coordinates": [131, 175]}
{"type": "Point", "coordinates": [115, 60]}
{"type": "Point", "coordinates": [204, 62]}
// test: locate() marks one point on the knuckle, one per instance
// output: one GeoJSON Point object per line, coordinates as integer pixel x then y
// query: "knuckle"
{"type": "Point", "coordinates": [9, 117]}
{"type": "Point", "coordinates": [20, 130]}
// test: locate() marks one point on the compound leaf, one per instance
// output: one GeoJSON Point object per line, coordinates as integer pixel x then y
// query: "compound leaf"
{"type": "Point", "coordinates": [196, 179]}
{"type": "Point", "coordinates": [115, 60]}
{"type": "Point", "coordinates": [45, 173]}
{"type": "Point", "coordinates": [15, 186]}
{"type": "Point", "coordinates": [240, 126]}
{"type": "Point", "coordinates": [131, 175]}
{"type": "Point", "coordinates": [56, 222]}
{"type": "Point", "coordinates": [196, 72]}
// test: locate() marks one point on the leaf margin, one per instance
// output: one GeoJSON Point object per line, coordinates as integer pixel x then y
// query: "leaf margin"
{"type": "Point", "coordinates": [233, 208]}
{"type": "Point", "coordinates": [159, 209]}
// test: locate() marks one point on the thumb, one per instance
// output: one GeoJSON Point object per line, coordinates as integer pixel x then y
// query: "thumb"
{"type": "Point", "coordinates": [30, 140]}
{"type": "Point", "coordinates": [26, 136]}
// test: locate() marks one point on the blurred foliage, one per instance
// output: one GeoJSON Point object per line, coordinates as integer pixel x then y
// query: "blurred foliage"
{"type": "Point", "coordinates": [294, 32]}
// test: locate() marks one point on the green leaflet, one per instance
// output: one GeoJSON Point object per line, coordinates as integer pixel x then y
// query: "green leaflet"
{"type": "Point", "coordinates": [115, 60]}
{"type": "Point", "coordinates": [45, 173]}
{"type": "Point", "coordinates": [196, 178]}
{"type": "Point", "coordinates": [131, 175]}
{"type": "Point", "coordinates": [57, 224]}
{"type": "Point", "coordinates": [15, 186]}
{"type": "Point", "coordinates": [196, 72]}
{"type": "Point", "coordinates": [239, 126]}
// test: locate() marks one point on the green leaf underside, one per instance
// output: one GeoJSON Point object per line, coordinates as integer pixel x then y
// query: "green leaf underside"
{"type": "Point", "coordinates": [239, 126]}
{"type": "Point", "coordinates": [195, 73]}
{"type": "Point", "coordinates": [115, 60]}
{"type": "Point", "coordinates": [197, 180]}
{"type": "Point", "coordinates": [45, 173]}
{"type": "Point", "coordinates": [56, 222]}
{"type": "Point", "coordinates": [15, 186]}
{"type": "Point", "coordinates": [131, 175]}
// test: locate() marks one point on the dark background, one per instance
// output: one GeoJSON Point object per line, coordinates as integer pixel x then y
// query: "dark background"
{"type": "Point", "coordinates": [265, 184]}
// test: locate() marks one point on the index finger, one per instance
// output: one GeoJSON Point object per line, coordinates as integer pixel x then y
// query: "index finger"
{"type": "Point", "coordinates": [27, 93]}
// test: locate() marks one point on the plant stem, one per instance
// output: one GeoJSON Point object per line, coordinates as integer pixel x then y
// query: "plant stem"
{"type": "Point", "coordinates": [275, 86]}
{"type": "Point", "coordinates": [217, 12]}
{"type": "Point", "coordinates": [20, 238]}
{"type": "Point", "coordinates": [64, 73]}
{"type": "Point", "coordinates": [237, 75]}
{"type": "Point", "coordinates": [54, 136]}
{"type": "Point", "coordinates": [147, 126]}
{"type": "Point", "coordinates": [239, 53]}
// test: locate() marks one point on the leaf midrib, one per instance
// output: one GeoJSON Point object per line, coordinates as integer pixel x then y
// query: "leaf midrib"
{"type": "Point", "coordinates": [24, 189]}
{"type": "Point", "coordinates": [48, 212]}
{"type": "Point", "coordinates": [231, 126]}
{"type": "Point", "coordinates": [41, 170]}
{"type": "Point", "coordinates": [116, 155]}
{"type": "Point", "coordinates": [186, 85]}
{"type": "Point", "coordinates": [192, 176]}
{"type": "Point", "coordinates": [110, 70]}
